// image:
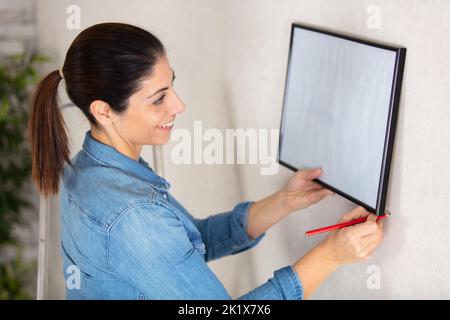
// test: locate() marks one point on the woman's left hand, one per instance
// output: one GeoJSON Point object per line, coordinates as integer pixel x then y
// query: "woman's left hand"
{"type": "Point", "coordinates": [301, 191]}
{"type": "Point", "coordinates": [298, 193]}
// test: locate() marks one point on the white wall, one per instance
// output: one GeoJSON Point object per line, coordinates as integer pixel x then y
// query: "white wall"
{"type": "Point", "coordinates": [230, 58]}
{"type": "Point", "coordinates": [413, 259]}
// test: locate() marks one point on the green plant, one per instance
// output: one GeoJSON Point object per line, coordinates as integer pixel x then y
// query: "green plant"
{"type": "Point", "coordinates": [14, 276]}
{"type": "Point", "coordinates": [17, 77]}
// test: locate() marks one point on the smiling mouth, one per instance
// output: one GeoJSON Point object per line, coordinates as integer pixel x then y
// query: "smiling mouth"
{"type": "Point", "coordinates": [167, 125]}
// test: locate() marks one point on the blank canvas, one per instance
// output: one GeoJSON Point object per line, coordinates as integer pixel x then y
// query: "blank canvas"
{"type": "Point", "coordinates": [339, 112]}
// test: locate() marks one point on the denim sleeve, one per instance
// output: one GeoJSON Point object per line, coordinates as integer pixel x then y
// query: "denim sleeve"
{"type": "Point", "coordinates": [148, 247]}
{"type": "Point", "coordinates": [284, 285]}
{"type": "Point", "coordinates": [226, 233]}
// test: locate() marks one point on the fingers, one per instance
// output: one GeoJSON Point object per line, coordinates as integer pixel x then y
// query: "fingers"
{"type": "Point", "coordinates": [309, 174]}
{"type": "Point", "coordinates": [314, 186]}
{"type": "Point", "coordinates": [361, 239]}
{"type": "Point", "coordinates": [358, 212]}
{"type": "Point", "coordinates": [311, 185]}
{"type": "Point", "coordinates": [318, 194]}
{"type": "Point", "coordinates": [380, 224]}
{"type": "Point", "coordinates": [373, 237]}
{"type": "Point", "coordinates": [366, 228]}
{"type": "Point", "coordinates": [371, 243]}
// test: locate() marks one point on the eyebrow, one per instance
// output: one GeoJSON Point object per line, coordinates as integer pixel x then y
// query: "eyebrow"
{"type": "Point", "coordinates": [162, 89]}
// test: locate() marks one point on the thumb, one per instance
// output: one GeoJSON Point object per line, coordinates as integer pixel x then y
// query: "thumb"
{"type": "Point", "coordinates": [310, 174]}
{"type": "Point", "coordinates": [358, 212]}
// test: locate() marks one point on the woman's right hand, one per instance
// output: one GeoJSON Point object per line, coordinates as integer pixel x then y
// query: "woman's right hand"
{"type": "Point", "coordinates": [346, 245]}
{"type": "Point", "coordinates": [354, 243]}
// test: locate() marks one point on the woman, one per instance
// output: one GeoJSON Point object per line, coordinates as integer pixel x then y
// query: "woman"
{"type": "Point", "coordinates": [121, 228]}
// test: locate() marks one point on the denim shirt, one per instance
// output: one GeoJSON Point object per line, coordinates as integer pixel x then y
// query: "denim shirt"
{"type": "Point", "coordinates": [124, 236]}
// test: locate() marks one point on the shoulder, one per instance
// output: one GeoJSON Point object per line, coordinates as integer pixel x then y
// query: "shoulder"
{"type": "Point", "coordinates": [150, 231]}
{"type": "Point", "coordinates": [101, 191]}
{"type": "Point", "coordinates": [151, 216]}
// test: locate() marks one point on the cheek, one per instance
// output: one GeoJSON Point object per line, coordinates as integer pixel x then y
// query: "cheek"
{"type": "Point", "coordinates": [141, 127]}
{"type": "Point", "coordinates": [148, 117]}
{"type": "Point", "coordinates": [152, 120]}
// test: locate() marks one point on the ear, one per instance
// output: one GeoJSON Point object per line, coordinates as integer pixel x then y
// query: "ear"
{"type": "Point", "coordinates": [102, 112]}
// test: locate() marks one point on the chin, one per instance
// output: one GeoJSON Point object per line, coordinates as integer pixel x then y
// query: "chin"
{"type": "Point", "coordinates": [159, 142]}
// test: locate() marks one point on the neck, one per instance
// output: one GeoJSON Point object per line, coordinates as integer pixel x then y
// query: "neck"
{"type": "Point", "coordinates": [117, 142]}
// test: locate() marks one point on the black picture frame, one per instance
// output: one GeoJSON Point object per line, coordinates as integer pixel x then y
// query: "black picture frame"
{"type": "Point", "coordinates": [391, 121]}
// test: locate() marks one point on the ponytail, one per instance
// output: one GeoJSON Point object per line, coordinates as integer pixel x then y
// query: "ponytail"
{"type": "Point", "coordinates": [47, 136]}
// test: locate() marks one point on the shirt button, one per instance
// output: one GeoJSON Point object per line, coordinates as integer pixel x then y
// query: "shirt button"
{"type": "Point", "coordinates": [165, 196]}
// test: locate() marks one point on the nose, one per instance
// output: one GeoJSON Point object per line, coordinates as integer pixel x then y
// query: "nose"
{"type": "Point", "coordinates": [178, 105]}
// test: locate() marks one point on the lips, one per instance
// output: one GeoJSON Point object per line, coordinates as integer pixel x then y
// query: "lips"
{"type": "Point", "coordinates": [167, 125]}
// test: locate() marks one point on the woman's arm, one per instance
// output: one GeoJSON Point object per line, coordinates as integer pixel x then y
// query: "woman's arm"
{"type": "Point", "coordinates": [300, 192]}
{"type": "Point", "coordinates": [148, 248]}
{"type": "Point", "coordinates": [314, 268]}
{"type": "Point", "coordinates": [243, 227]}
{"type": "Point", "coordinates": [347, 245]}
{"type": "Point", "coordinates": [265, 213]}
{"type": "Point", "coordinates": [223, 233]}
{"type": "Point", "coordinates": [343, 246]}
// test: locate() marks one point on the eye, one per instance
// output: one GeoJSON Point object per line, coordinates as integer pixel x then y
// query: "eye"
{"type": "Point", "coordinates": [160, 100]}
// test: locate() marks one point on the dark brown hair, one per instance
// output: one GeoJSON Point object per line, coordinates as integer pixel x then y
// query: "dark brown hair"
{"type": "Point", "coordinates": [106, 62]}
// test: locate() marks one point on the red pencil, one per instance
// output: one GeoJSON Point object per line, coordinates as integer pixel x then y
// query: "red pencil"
{"type": "Point", "coordinates": [340, 225]}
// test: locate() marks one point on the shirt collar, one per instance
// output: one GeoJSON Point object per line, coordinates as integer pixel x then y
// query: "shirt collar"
{"type": "Point", "coordinates": [110, 156]}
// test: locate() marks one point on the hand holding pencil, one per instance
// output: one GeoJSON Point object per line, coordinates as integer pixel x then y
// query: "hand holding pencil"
{"type": "Point", "coordinates": [341, 225]}
{"type": "Point", "coordinates": [356, 242]}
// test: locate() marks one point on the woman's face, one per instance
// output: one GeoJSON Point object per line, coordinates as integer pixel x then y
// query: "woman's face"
{"type": "Point", "coordinates": [151, 110]}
